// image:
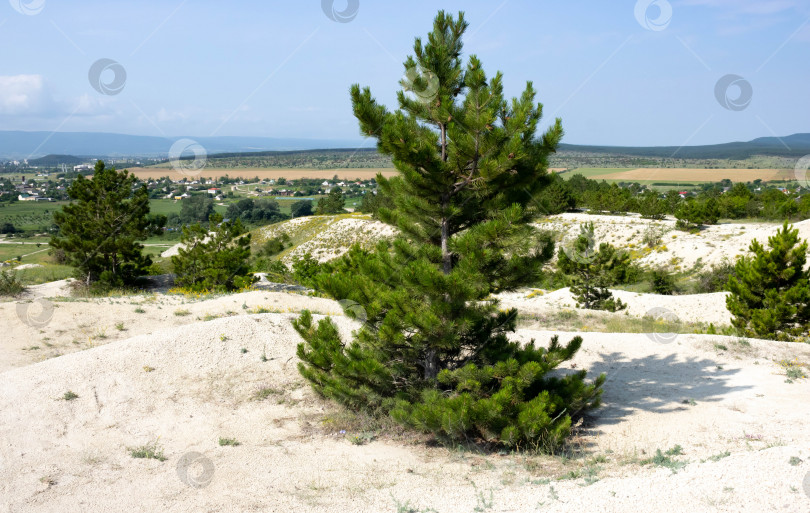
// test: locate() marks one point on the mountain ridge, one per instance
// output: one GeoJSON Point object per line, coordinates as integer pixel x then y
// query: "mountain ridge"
{"type": "Point", "coordinates": [17, 145]}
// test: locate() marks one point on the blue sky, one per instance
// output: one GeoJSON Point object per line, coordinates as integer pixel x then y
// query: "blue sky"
{"type": "Point", "coordinates": [283, 69]}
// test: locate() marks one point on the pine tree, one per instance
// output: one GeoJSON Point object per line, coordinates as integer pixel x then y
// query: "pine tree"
{"type": "Point", "coordinates": [214, 258]}
{"type": "Point", "coordinates": [770, 290]}
{"type": "Point", "coordinates": [433, 349]}
{"type": "Point", "coordinates": [693, 214]}
{"type": "Point", "coordinates": [99, 229]}
{"type": "Point", "coordinates": [593, 270]}
{"type": "Point", "coordinates": [651, 206]}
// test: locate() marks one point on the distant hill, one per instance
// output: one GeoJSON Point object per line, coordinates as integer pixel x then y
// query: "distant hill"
{"type": "Point", "coordinates": [796, 145]}
{"type": "Point", "coordinates": [55, 160]}
{"type": "Point", "coordinates": [27, 145]}
{"type": "Point", "coordinates": [88, 145]}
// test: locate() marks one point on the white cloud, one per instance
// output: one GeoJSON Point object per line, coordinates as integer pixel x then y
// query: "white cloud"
{"type": "Point", "coordinates": [23, 95]}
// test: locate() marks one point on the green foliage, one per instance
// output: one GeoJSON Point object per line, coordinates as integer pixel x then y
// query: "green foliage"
{"type": "Point", "coordinates": [301, 208]}
{"type": "Point", "coordinates": [662, 282]}
{"type": "Point", "coordinates": [715, 278]}
{"type": "Point", "coordinates": [215, 260]}
{"type": "Point", "coordinates": [333, 203]}
{"type": "Point", "coordinates": [770, 292]}
{"type": "Point", "coordinates": [99, 229]}
{"type": "Point", "coordinates": [432, 350]}
{"type": "Point", "coordinates": [593, 271]}
{"type": "Point", "coordinates": [693, 214]}
{"type": "Point", "coordinates": [372, 202]}
{"type": "Point", "coordinates": [263, 210]}
{"type": "Point", "coordinates": [148, 451]}
{"type": "Point", "coordinates": [275, 245]}
{"type": "Point", "coordinates": [196, 209]}
{"type": "Point", "coordinates": [512, 402]}
{"type": "Point", "coordinates": [305, 269]}
{"type": "Point", "coordinates": [652, 206]}
{"type": "Point", "coordinates": [155, 224]}
{"type": "Point", "coordinates": [556, 198]}
{"type": "Point", "coordinates": [276, 270]}
{"type": "Point", "coordinates": [10, 285]}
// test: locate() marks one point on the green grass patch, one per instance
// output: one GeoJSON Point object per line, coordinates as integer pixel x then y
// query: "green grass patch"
{"type": "Point", "coordinates": [666, 460]}
{"type": "Point", "coordinates": [594, 172]}
{"type": "Point", "coordinates": [148, 451]}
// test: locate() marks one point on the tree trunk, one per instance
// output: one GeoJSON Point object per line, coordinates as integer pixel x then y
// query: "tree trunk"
{"type": "Point", "coordinates": [431, 364]}
{"type": "Point", "coordinates": [446, 257]}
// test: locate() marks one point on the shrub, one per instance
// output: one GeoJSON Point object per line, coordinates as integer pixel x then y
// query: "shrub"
{"type": "Point", "coordinates": [216, 260]}
{"type": "Point", "coordinates": [770, 292]}
{"type": "Point", "coordinates": [662, 282]}
{"type": "Point", "coordinates": [274, 246]}
{"type": "Point", "coordinates": [715, 278]}
{"type": "Point", "coordinates": [652, 206]}
{"type": "Point", "coordinates": [693, 214]}
{"type": "Point", "coordinates": [305, 268]}
{"type": "Point", "coordinates": [10, 285]}
{"type": "Point", "coordinates": [653, 235]}
{"type": "Point", "coordinates": [148, 451]}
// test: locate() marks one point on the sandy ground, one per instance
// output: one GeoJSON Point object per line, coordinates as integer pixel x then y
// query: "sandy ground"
{"type": "Point", "coordinates": [327, 237]}
{"type": "Point", "coordinates": [182, 372]}
{"type": "Point", "coordinates": [183, 382]}
{"type": "Point", "coordinates": [676, 249]}
{"type": "Point", "coordinates": [694, 308]}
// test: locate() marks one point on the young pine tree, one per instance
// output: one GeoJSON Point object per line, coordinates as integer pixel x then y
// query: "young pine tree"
{"type": "Point", "coordinates": [100, 229]}
{"type": "Point", "coordinates": [770, 290]}
{"type": "Point", "coordinates": [433, 349]}
{"type": "Point", "coordinates": [593, 270]}
{"type": "Point", "coordinates": [215, 258]}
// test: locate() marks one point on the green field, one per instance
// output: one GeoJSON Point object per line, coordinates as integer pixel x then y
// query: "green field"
{"type": "Point", "coordinates": [29, 215]}
{"type": "Point", "coordinates": [29, 253]}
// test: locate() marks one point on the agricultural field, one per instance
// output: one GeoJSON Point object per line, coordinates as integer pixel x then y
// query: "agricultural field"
{"type": "Point", "coordinates": [649, 176]}
{"type": "Point", "coordinates": [642, 175]}
{"type": "Point", "coordinates": [29, 215]}
{"type": "Point", "coordinates": [265, 173]}
{"type": "Point", "coordinates": [592, 172]}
